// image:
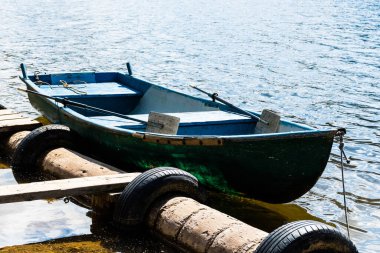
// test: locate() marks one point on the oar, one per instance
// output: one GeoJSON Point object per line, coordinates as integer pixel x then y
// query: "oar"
{"type": "Point", "coordinates": [65, 102]}
{"type": "Point", "coordinates": [215, 97]}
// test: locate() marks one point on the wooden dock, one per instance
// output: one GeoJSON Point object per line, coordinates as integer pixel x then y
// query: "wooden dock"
{"type": "Point", "coordinates": [11, 121]}
{"type": "Point", "coordinates": [65, 187]}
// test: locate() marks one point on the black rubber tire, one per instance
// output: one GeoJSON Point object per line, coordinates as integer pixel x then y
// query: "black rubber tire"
{"type": "Point", "coordinates": [148, 187]}
{"type": "Point", "coordinates": [306, 236]}
{"type": "Point", "coordinates": [37, 143]}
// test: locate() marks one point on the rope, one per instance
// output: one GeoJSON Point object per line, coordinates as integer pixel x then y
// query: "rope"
{"type": "Point", "coordinates": [75, 90]}
{"type": "Point", "coordinates": [341, 133]}
{"type": "Point", "coordinates": [38, 81]}
{"type": "Point", "coordinates": [66, 85]}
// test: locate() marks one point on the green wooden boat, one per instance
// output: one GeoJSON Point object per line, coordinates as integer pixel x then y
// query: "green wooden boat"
{"type": "Point", "coordinates": [215, 142]}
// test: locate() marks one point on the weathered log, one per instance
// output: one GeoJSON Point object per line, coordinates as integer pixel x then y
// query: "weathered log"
{"type": "Point", "coordinates": [63, 163]}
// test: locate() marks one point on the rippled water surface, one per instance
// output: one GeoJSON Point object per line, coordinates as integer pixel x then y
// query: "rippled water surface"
{"type": "Point", "coordinates": [315, 62]}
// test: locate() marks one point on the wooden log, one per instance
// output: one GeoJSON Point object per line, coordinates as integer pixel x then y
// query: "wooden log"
{"type": "Point", "coordinates": [63, 163]}
{"type": "Point", "coordinates": [200, 228]}
{"type": "Point", "coordinates": [65, 187]}
{"type": "Point", "coordinates": [12, 142]}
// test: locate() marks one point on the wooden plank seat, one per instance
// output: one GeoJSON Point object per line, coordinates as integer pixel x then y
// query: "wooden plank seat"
{"type": "Point", "coordinates": [186, 119]}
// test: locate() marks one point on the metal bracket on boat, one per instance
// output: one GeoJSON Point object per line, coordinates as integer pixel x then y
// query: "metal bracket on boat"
{"type": "Point", "coordinates": [213, 96]}
{"type": "Point", "coordinates": [39, 82]}
{"type": "Point", "coordinates": [36, 75]}
{"type": "Point", "coordinates": [340, 133]}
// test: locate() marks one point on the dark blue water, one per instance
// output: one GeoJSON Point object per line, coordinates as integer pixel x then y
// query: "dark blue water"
{"type": "Point", "coordinates": [315, 62]}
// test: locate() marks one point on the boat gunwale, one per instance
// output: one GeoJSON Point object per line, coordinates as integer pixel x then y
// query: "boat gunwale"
{"type": "Point", "coordinates": [308, 132]}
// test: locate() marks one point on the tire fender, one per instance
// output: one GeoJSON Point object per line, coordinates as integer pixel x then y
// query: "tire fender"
{"type": "Point", "coordinates": [150, 186]}
{"type": "Point", "coordinates": [306, 237]}
{"type": "Point", "coordinates": [37, 143]}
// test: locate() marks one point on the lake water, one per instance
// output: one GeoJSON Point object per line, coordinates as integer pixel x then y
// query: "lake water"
{"type": "Point", "coordinates": [315, 62]}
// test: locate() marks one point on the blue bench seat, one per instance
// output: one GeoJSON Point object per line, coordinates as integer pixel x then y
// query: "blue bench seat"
{"type": "Point", "coordinates": [201, 120]}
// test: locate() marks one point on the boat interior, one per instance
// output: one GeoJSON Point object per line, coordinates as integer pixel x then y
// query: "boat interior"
{"type": "Point", "coordinates": [124, 94]}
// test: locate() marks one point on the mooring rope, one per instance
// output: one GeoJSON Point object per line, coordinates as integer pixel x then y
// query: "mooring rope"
{"type": "Point", "coordinates": [341, 133]}
{"type": "Point", "coordinates": [38, 81]}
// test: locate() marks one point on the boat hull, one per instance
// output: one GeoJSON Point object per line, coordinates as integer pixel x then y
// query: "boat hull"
{"type": "Point", "coordinates": [275, 168]}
